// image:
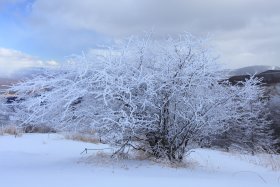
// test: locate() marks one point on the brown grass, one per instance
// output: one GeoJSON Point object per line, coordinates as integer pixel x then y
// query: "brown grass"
{"type": "Point", "coordinates": [10, 130]}
{"type": "Point", "coordinates": [90, 138]}
{"type": "Point", "coordinates": [132, 160]}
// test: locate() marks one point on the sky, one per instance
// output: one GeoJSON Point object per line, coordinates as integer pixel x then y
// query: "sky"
{"type": "Point", "coordinates": [36, 33]}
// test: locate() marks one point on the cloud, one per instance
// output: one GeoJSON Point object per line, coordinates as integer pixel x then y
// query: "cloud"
{"type": "Point", "coordinates": [130, 16]}
{"type": "Point", "coordinates": [12, 61]}
{"type": "Point", "coordinates": [244, 31]}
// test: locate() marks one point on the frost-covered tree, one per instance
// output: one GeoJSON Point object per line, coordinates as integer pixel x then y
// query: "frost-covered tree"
{"type": "Point", "coordinates": [155, 96]}
{"type": "Point", "coordinates": [274, 107]}
{"type": "Point", "coordinates": [251, 131]}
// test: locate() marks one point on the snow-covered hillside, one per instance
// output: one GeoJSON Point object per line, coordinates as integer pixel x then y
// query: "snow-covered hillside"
{"type": "Point", "coordinates": [251, 70]}
{"type": "Point", "coordinates": [42, 160]}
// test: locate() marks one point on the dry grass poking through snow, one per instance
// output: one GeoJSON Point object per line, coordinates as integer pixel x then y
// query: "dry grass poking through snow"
{"type": "Point", "coordinates": [270, 161]}
{"type": "Point", "coordinates": [11, 130]}
{"type": "Point", "coordinates": [133, 159]}
{"type": "Point", "coordinates": [103, 157]}
{"type": "Point", "coordinates": [90, 138]}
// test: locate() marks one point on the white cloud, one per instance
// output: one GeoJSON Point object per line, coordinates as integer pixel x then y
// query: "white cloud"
{"type": "Point", "coordinates": [12, 61]}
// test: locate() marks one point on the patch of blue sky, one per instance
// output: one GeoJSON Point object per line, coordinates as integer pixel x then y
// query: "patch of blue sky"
{"type": "Point", "coordinates": [17, 32]}
{"type": "Point", "coordinates": [13, 28]}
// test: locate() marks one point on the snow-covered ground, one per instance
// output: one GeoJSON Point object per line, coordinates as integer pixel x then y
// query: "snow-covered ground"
{"type": "Point", "coordinates": [42, 160]}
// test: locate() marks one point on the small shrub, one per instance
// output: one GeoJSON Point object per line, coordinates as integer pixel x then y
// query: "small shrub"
{"type": "Point", "coordinates": [38, 129]}
{"type": "Point", "coordinates": [156, 96]}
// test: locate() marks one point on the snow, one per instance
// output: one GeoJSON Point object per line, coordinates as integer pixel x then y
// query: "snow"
{"type": "Point", "coordinates": [49, 160]}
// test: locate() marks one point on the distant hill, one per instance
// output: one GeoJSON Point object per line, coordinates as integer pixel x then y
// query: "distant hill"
{"type": "Point", "coordinates": [24, 73]}
{"type": "Point", "coordinates": [6, 82]}
{"type": "Point", "coordinates": [251, 70]}
{"type": "Point", "coordinates": [268, 77]}
{"type": "Point", "coordinates": [28, 73]}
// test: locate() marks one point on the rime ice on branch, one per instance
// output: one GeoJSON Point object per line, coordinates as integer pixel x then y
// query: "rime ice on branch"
{"type": "Point", "coordinates": [155, 96]}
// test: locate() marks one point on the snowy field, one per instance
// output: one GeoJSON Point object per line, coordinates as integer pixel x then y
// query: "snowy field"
{"type": "Point", "coordinates": [42, 160]}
